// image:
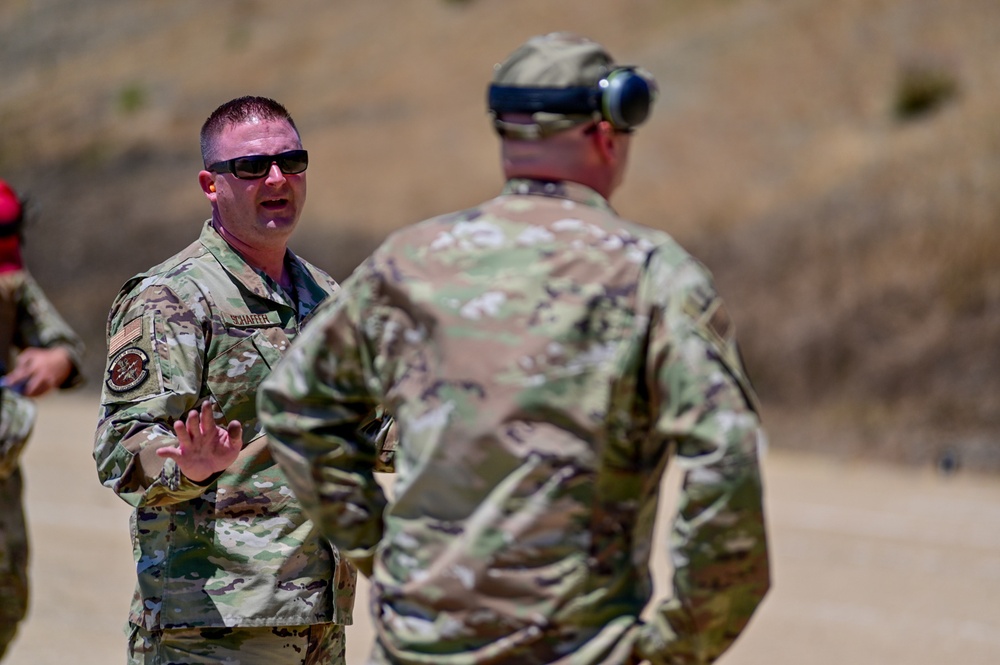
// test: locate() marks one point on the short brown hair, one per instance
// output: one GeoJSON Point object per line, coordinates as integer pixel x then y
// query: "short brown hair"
{"type": "Point", "coordinates": [235, 111]}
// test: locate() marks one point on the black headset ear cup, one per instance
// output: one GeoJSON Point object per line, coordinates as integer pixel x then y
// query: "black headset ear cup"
{"type": "Point", "coordinates": [627, 97]}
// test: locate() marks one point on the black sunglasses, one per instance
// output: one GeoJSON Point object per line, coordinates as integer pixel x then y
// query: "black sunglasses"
{"type": "Point", "coordinates": [252, 167]}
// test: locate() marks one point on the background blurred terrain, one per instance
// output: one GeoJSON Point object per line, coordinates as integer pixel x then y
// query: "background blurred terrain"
{"type": "Point", "coordinates": [835, 164]}
{"type": "Point", "coordinates": [872, 564]}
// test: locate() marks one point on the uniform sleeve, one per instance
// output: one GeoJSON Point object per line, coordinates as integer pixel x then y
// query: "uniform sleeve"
{"type": "Point", "coordinates": [40, 325]}
{"type": "Point", "coordinates": [155, 367]}
{"type": "Point", "coordinates": [17, 418]}
{"type": "Point", "coordinates": [313, 405]}
{"type": "Point", "coordinates": [703, 403]}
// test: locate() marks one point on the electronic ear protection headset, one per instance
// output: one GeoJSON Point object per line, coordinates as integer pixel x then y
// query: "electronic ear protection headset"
{"type": "Point", "coordinates": [624, 98]}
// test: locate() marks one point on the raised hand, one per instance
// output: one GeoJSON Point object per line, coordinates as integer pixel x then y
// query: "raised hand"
{"type": "Point", "coordinates": [204, 448]}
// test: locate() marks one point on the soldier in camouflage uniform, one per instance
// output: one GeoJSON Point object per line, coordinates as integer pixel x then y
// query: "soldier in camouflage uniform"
{"type": "Point", "coordinates": [49, 356]}
{"type": "Point", "coordinates": [229, 567]}
{"type": "Point", "coordinates": [544, 359]}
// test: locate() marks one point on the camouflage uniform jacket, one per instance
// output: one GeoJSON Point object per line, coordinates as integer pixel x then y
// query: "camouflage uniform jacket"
{"type": "Point", "coordinates": [236, 550]}
{"type": "Point", "coordinates": [27, 319]}
{"type": "Point", "coordinates": [543, 359]}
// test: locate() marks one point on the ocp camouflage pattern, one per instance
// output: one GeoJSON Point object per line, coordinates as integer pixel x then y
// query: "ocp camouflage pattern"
{"type": "Point", "coordinates": [236, 550]}
{"type": "Point", "coordinates": [544, 360]}
{"type": "Point", "coordinates": [27, 319]}
{"type": "Point", "coordinates": [316, 644]}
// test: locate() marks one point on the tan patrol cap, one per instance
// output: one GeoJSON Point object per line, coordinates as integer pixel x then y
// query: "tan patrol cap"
{"type": "Point", "coordinates": [555, 60]}
{"type": "Point", "coordinates": [552, 61]}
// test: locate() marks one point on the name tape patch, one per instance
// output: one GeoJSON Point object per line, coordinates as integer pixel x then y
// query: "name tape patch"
{"type": "Point", "coordinates": [254, 320]}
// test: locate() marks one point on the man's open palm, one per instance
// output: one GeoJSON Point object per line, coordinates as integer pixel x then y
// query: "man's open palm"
{"type": "Point", "coordinates": [203, 448]}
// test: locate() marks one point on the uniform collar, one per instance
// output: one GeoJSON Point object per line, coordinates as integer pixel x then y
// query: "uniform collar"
{"type": "Point", "coordinates": [563, 189]}
{"type": "Point", "coordinates": [308, 293]}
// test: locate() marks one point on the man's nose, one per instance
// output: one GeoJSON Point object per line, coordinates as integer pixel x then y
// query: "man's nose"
{"type": "Point", "coordinates": [274, 174]}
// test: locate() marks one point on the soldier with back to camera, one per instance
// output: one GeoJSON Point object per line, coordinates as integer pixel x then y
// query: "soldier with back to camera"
{"type": "Point", "coordinates": [544, 360]}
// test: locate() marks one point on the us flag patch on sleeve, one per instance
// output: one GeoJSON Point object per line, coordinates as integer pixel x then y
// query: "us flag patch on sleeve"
{"type": "Point", "coordinates": [132, 361]}
{"type": "Point", "coordinates": [129, 333]}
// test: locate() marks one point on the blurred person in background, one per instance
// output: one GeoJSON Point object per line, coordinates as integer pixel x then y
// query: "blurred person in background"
{"type": "Point", "coordinates": [544, 360]}
{"type": "Point", "coordinates": [47, 354]}
{"type": "Point", "coordinates": [229, 567]}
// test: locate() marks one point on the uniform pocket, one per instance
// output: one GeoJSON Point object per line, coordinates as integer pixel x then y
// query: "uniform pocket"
{"type": "Point", "coordinates": [235, 373]}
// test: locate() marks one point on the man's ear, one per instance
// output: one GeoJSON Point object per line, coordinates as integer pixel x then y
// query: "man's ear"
{"type": "Point", "coordinates": [207, 181]}
{"type": "Point", "coordinates": [603, 136]}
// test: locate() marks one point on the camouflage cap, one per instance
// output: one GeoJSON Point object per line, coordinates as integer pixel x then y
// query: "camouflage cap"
{"type": "Point", "coordinates": [555, 60]}
{"type": "Point", "coordinates": [550, 61]}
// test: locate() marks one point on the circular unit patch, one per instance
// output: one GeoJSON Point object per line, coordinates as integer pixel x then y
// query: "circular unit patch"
{"type": "Point", "coordinates": [128, 370]}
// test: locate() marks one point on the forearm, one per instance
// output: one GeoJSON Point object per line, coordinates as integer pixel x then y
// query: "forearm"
{"type": "Point", "coordinates": [331, 470]}
{"type": "Point", "coordinates": [125, 452]}
{"type": "Point", "coordinates": [40, 325]}
{"type": "Point", "coordinates": [314, 406]}
{"type": "Point", "coordinates": [720, 555]}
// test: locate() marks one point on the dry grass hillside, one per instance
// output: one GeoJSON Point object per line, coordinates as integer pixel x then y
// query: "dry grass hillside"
{"type": "Point", "coordinates": [836, 165]}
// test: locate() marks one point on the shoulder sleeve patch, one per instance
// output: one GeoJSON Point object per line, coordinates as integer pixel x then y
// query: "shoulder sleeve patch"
{"type": "Point", "coordinates": [714, 321]}
{"type": "Point", "coordinates": [133, 367]}
{"type": "Point", "coordinates": [127, 370]}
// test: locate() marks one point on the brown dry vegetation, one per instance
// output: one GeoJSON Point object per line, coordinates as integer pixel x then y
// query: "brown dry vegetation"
{"type": "Point", "coordinates": [856, 246]}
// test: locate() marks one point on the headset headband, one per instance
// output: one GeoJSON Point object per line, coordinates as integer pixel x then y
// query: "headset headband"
{"type": "Point", "coordinates": [578, 100]}
{"type": "Point", "coordinates": [624, 97]}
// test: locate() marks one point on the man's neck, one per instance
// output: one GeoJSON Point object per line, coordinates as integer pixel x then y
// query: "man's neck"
{"type": "Point", "coordinates": [269, 260]}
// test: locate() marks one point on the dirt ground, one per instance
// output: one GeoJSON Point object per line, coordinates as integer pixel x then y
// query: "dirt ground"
{"type": "Point", "coordinates": [873, 565]}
